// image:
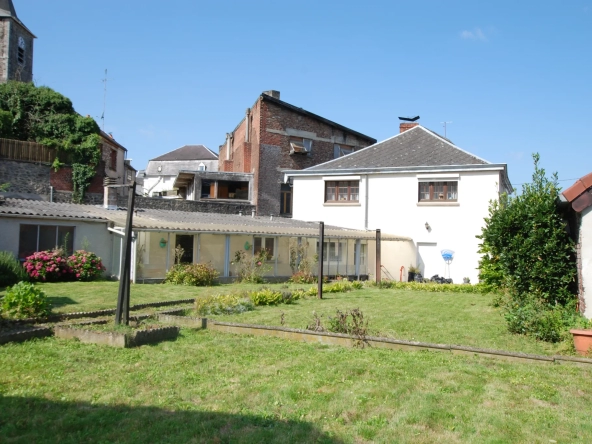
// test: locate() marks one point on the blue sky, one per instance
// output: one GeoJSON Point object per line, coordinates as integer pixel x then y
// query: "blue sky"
{"type": "Point", "coordinates": [513, 77]}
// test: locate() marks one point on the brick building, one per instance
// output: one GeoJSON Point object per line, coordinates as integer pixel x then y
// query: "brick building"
{"type": "Point", "coordinates": [16, 46]}
{"type": "Point", "coordinates": [275, 136]}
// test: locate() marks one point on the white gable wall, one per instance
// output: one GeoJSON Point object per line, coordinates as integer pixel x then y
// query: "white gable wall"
{"type": "Point", "coordinates": [586, 258]}
{"type": "Point", "coordinates": [393, 207]}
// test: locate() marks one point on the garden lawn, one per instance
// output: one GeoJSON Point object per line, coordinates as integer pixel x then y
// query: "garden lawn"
{"type": "Point", "coordinates": [213, 387]}
{"type": "Point", "coordinates": [444, 318]}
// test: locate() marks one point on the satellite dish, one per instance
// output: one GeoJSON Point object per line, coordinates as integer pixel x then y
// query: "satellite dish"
{"type": "Point", "coordinates": [409, 119]}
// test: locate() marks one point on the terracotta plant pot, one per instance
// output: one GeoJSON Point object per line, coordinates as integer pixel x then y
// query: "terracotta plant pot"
{"type": "Point", "coordinates": [582, 341]}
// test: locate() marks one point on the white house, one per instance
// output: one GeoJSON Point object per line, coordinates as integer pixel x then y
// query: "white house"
{"type": "Point", "coordinates": [579, 196]}
{"type": "Point", "coordinates": [417, 184]}
{"type": "Point", "coordinates": [159, 176]}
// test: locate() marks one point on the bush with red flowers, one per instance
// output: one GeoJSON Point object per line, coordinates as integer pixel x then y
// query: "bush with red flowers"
{"type": "Point", "coordinates": [86, 266]}
{"type": "Point", "coordinates": [49, 266]}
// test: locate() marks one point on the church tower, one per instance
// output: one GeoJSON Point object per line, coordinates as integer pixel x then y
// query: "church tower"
{"type": "Point", "coordinates": [16, 46]}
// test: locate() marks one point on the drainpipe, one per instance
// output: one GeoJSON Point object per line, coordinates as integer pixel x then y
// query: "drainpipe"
{"type": "Point", "coordinates": [378, 262]}
{"type": "Point", "coordinates": [50, 193]}
{"type": "Point", "coordinates": [227, 146]}
{"type": "Point", "coordinates": [248, 114]}
{"type": "Point", "coordinates": [366, 204]}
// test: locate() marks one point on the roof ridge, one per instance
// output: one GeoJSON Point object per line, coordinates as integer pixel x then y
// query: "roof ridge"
{"type": "Point", "coordinates": [445, 140]}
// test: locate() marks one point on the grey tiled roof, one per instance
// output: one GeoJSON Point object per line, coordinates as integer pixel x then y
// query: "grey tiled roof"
{"type": "Point", "coordinates": [165, 220]}
{"type": "Point", "coordinates": [415, 147]}
{"type": "Point", "coordinates": [189, 152]}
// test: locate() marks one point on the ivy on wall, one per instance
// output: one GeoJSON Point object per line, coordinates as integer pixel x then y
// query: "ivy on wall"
{"type": "Point", "coordinates": [42, 115]}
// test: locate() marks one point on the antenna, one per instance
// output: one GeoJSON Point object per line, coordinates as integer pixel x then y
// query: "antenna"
{"type": "Point", "coordinates": [444, 125]}
{"type": "Point", "coordinates": [104, 100]}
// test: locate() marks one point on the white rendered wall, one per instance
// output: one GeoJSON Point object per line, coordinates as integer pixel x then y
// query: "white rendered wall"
{"type": "Point", "coordinates": [393, 207]}
{"type": "Point", "coordinates": [586, 258]}
{"type": "Point", "coordinates": [155, 184]}
{"type": "Point", "coordinates": [94, 234]}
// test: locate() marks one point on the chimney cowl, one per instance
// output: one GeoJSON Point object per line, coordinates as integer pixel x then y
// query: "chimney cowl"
{"type": "Point", "coordinates": [272, 93]}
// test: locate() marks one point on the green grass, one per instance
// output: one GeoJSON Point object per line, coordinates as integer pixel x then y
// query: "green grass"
{"type": "Point", "coordinates": [448, 318]}
{"type": "Point", "coordinates": [214, 387]}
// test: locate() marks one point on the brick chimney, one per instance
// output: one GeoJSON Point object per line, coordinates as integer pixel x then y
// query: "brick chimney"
{"type": "Point", "coordinates": [404, 126]}
{"type": "Point", "coordinates": [272, 93]}
{"type": "Point", "coordinates": [110, 193]}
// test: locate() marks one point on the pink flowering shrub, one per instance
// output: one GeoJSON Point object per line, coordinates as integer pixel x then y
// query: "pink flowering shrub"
{"type": "Point", "coordinates": [53, 266]}
{"type": "Point", "coordinates": [49, 266]}
{"type": "Point", "coordinates": [86, 266]}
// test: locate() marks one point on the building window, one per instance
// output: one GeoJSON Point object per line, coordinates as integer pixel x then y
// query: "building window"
{"type": "Point", "coordinates": [20, 54]}
{"type": "Point", "coordinates": [202, 167]}
{"type": "Point", "coordinates": [266, 243]}
{"type": "Point", "coordinates": [33, 238]}
{"type": "Point", "coordinates": [342, 191]}
{"type": "Point", "coordinates": [113, 160]}
{"type": "Point", "coordinates": [438, 191]}
{"type": "Point", "coordinates": [286, 200]}
{"type": "Point", "coordinates": [184, 249]}
{"type": "Point", "coordinates": [300, 146]}
{"type": "Point", "coordinates": [342, 150]}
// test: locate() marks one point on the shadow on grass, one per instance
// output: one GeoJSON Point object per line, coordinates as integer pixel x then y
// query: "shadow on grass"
{"type": "Point", "coordinates": [61, 301]}
{"type": "Point", "coordinates": [26, 420]}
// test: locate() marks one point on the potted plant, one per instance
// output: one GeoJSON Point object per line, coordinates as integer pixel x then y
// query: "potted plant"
{"type": "Point", "coordinates": [582, 341]}
{"type": "Point", "coordinates": [411, 272]}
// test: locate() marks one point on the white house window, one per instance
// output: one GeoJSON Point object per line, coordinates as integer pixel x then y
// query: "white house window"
{"type": "Point", "coordinates": [266, 243]}
{"type": "Point", "coordinates": [438, 191]}
{"type": "Point", "coordinates": [300, 146]}
{"type": "Point", "coordinates": [33, 238]}
{"type": "Point", "coordinates": [342, 191]}
{"type": "Point", "coordinates": [202, 167]}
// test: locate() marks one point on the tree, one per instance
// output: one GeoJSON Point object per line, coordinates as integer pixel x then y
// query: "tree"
{"type": "Point", "coordinates": [42, 115]}
{"type": "Point", "coordinates": [528, 253]}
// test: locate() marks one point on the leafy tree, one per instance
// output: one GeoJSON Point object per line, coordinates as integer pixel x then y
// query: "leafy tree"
{"type": "Point", "coordinates": [42, 115]}
{"type": "Point", "coordinates": [528, 253]}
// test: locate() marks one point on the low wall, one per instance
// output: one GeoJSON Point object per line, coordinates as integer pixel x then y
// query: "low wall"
{"type": "Point", "coordinates": [192, 206]}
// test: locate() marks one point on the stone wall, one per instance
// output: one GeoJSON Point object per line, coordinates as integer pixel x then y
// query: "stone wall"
{"type": "Point", "coordinates": [89, 198]}
{"type": "Point", "coordinates": [25, 177]}
{"type": "Point", "coordinates": [190, 206]}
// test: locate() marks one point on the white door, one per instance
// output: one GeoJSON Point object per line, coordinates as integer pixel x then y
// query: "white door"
{"type": "Point", "coordinates": [429, 260]}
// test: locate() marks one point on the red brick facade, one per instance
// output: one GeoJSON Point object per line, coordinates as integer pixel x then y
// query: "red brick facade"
{"type": "Point", "coordinates": [260, 144]}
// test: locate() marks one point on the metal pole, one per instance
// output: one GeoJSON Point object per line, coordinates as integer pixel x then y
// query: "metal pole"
{"type": "Point", "coordinates": [321, 242]}
{"type": "Point", "coordinates": [378, 264]}
{"type": "Point", "coordinates": [122, 312]}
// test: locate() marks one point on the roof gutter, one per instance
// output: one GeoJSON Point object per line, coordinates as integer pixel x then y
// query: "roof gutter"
{"type": "Point", "coordinates": [51, 216]}
{"type": "Point", "coordinates": [396, 170]}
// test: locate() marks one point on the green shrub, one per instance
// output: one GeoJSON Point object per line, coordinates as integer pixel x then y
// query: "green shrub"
{"type": "Point", "coordinates": [198, 275]}
{"type": "Point", "coordinates": [549, 324]}
{"type": "Point", "coordinates": [11, 271]}
{"type": "Point", "coordinates": [431, 287]}
{"type": "Point", "coordinates": [25, 300]}
{"type": "Point", "coordinates": [266, 296]}
{"type": "Point", "coordinates": [85, 265]}
{"type": "Point", "coordinates": [302, 277]}
{"type": "Point", "coordinates": [528, 254]}
{"type": "Point", "coordinates": [251, 268]}
{"type": "Point", "coordinates": [223, 304]}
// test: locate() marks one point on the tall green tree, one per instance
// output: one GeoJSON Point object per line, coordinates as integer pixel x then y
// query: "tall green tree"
{"type": "Point", "coordinates": [42, 115]}
{"type": "Point", "coordinates": [527, 251]}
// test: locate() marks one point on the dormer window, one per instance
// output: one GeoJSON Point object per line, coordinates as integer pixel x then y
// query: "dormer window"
{"type": "Point", "coordinates": [202, 167]}
{"type": "Point", "coordinates": [20, 55]}
{"type": "Point", "coordinates": [300, 146]}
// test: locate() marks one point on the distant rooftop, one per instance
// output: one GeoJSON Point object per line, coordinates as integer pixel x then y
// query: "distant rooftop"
{"type": "Point", "coordinates": [188, 152]}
